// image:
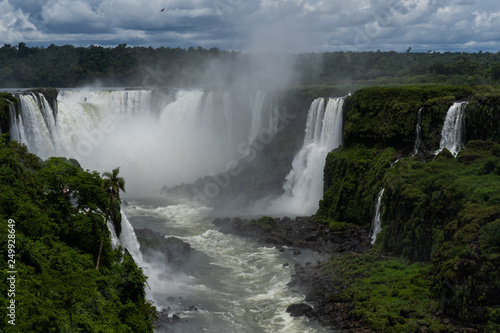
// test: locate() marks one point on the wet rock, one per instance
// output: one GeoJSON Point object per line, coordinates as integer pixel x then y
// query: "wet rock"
{"type": "Point", "coordinates": [298, 310]}
{"type": "Point", "coordinates": [301, 232]}
{"type": "Point", "coordinates": [152, 243]}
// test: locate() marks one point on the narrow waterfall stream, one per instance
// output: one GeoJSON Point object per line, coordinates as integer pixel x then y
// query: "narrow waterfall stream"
{"type": "Point", "coordinates": [377, 222]}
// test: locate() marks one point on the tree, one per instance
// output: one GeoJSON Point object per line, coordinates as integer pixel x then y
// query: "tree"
{"type": "Point", "coordinates": [112, 184]}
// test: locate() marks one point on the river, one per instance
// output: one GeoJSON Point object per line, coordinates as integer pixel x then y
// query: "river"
{"type": "Point", "coordinates": [235, 284]}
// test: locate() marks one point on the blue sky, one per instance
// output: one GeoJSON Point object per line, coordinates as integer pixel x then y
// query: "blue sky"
{"type": "Point", "coordinates": [257, 25]}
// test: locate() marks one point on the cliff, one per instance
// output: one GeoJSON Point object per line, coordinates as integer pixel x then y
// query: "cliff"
{"type": "Point", "coordinates": [438, 210]}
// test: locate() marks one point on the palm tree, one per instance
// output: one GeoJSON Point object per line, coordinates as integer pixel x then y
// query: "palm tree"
{"type": "Point", "coordinates": [112, 184]}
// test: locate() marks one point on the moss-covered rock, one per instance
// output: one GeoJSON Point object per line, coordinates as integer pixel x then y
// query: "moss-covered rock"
{"type": "Point", "coordinates": [388, 116]}
{"type": "Point", "coordinates": [482, 117]}
{"type": "Point", "coordinates": [6, 99]}
{"type": "Point", "coordinates": [352, 180]}
{"type": "Point", "coordinates": [440, 210]}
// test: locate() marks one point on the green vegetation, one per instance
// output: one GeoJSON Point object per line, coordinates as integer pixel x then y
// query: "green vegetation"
{"type": "Point", "coordinates": [447, 211]}
{"type": "Point", "coordinates": [5, 101]}
{"type": "Point", "coordinates": [388, 294]}
{"type": "Point", "coordinates": [59, 210]}
{"type": "Point", "coordinates": [440, 215]}
{"type": "Point", "coordinates": [112, 185]}
{"type": "Point", "coordinates": [70, 66]}
{"type": "Point", "coordinates": [353, 178]}
{"type": "Point", "coordinates": [388, 116]}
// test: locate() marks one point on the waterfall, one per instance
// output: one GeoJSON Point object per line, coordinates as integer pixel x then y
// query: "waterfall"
{"type": "Point", "coordinates": [208, 111]}
{"type": "Point", "coordinates": [112, 235]}
{"type": "Point", "coordinates": [418, 132]}
{"type": "Point", "coordinates": [451, 135]}
{"type": "Point", "coordinates": [257, 106]}
{"type": "Point", "coordinates": [14, 126]}
{"type": "Point", "coordinates": [226, 101]}
{"type": "Point", "coordinates": [128, 239]}
{"type": "Point", "coordinates": [38, 123]}
{"type": "Point", "coordinates": [377, 222]}
{"type": "Point", "coordinates": [177, 137]}
{"type": "Point", "coordinates": [304, 184]}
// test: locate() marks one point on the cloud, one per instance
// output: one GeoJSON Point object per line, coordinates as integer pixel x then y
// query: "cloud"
{"type": "Point", "coordinates": [290, 25]}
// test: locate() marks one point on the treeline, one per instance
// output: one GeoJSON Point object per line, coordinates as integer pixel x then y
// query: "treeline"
{"type": "Point", "coordinates": [70, 66]}
{"type": "Point", "coordinates": [54, 213]}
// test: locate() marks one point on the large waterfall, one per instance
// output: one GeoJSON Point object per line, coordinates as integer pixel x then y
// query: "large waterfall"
{"type": "Point", "coordinates": [451, 135]}
{"type": "Point", "coordinates": [304, 184]}
{"type": "Point", "coordinates": [157, 138]}
{"type": "Point", "coordinates": [167, 138]}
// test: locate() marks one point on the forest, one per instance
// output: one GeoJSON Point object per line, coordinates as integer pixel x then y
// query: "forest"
{"type": "Point", "coordinates": [22, 66]}
{"type": "Point", "coordinates": [57, 213]}
{"type": "Point", "coordinates": [434, 265]}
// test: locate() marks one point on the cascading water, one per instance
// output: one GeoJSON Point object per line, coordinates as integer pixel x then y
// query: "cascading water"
{"type": "Point", "coordinates": [129, 240]}
{"type": "Point", "coordinates": [39, 125]}
{"type": "Point", "coordinates": [418, 133]}
{"type": "Point", "coordinates": [157, 139]}
{"type": "Point", "coordinates": [377, 222]}
{"type": "Point", "coordinates": [304, 184]}
{"type": "Point", "coordinates": [451, 135]}
{"type": "Point", "coordinates": [115, 241]}
{"type": "Point", "coordinates": [176, 137]}
{"type": "Point", "coordinates": [16, 125]}
{"type": "Point", "coordinates": [257, 108]}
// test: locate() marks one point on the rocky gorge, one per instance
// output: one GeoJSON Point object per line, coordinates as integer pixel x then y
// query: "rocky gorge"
{"type": "Point", "coordinates": [434, 265]}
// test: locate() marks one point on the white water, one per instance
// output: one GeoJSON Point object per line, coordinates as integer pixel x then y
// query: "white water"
{"type": "Point", "coordinates": [38, 123]}
{"type": "Point", "coordinates": [377, 221]}
{"type": "Point", "coordinates": [451, 134]}
{"type": "Point", "coordinates": [115, 241]}
{"type": "Point", "coordinates": [157, 139]}
{"type": "Point", "coordinates": [129, 240]}
{"type": "Point", "coordinates": [236, 284]}
{"type": "Point", "coordinates": [304, 184]}
{"type": "Point", "coordinates": [418, 133]}
{"type": "Point", "coordinates": [257, 118]}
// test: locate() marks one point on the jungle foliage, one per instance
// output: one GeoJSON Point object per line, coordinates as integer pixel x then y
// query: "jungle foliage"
{"type": "Point", "coordinates": [438, 211]}
{"type": "Point", "coordinates": [58, 210]}
{"type": "Point", "coordinates": [70, 66]}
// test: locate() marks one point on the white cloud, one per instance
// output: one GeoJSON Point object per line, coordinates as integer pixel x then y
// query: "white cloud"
{"type": "Point", "coordinates": [294, 25]}
{"type": "Point", "coordinates": [72, 16]}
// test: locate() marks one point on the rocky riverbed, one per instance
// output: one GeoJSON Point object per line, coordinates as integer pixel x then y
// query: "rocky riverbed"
{"type": "Point", "coordinates": [301, 232]}
{"type": "Point", "coordinates": [321, 303]}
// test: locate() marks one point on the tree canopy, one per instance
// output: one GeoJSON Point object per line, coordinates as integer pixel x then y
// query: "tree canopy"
{"type": "Point", "coordinates": [58, 212]}
{"type": "Point", "coordinates": [70, 66]}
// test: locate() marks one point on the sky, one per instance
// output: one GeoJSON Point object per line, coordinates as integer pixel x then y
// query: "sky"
{"type": "Point", "coordinates": [257, 25]}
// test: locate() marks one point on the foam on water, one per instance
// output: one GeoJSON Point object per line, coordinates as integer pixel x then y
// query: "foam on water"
{"type": "Point", "coordinates": [237, 284]}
